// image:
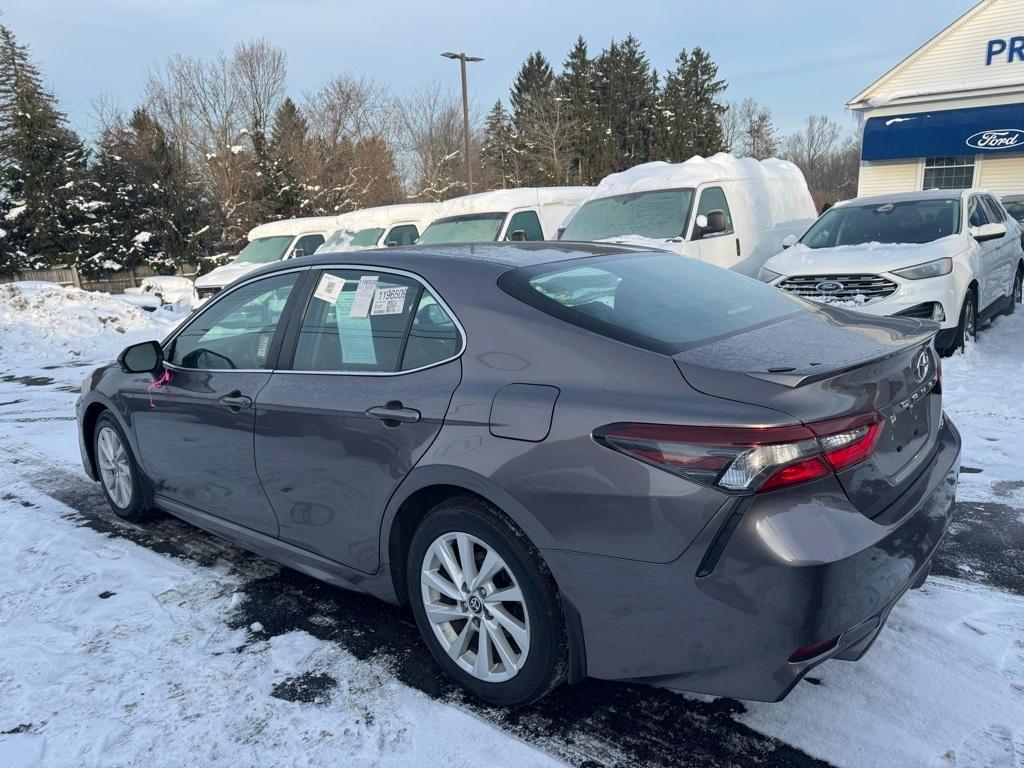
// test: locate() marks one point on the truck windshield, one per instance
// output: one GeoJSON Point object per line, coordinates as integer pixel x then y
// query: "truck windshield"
{"type": "Point", "coordinates": [471, 228]}
{"type": "Point", "coordinates": [659, 214]}
{"type": "Point", "coordinates": [346, 239]}
{"type": "Point", "coordinates": [264, 250]}
{"type": "Point", "coordinates": [909, 221]}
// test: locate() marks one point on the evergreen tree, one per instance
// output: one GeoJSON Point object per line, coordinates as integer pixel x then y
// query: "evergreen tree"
{"type": "Point", "coordinates": [533, 106]}
{"type": "Point", "coordinates": [287, 145]}
{"type": "Point", "coordinates": [576, 89]}
{"type": "Point", "coordinates": [626, 91]}
{"type": "Point", "coordinates": [675, 139]}
{"type": "Point", "coordinates": [498, 154]}
{"type": "Point", "coordinates": [704, 90]}
{"type": "Point", "coordinates": [42, 166]}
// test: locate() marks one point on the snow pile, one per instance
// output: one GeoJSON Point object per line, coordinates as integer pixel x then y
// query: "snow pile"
{"type": "Point", "coordinates": [771, 192]}
{"type": "Point", "coordinates": [983, 392]}
{"type": "Point", "coordinates": [45, 323]}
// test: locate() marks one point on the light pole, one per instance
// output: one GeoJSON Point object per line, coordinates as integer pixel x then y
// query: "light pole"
{"type": "Point", "coordinates": [463, 58]}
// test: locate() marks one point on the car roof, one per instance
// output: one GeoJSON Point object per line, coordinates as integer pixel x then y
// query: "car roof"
{"type": "Point", "coordinates": [900, 197]}
{"type": "Point", "coordinates": [501, 256]}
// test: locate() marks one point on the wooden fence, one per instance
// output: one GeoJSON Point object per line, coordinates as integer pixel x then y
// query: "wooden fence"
{"type": "Point", "coordinates": [111, 282]}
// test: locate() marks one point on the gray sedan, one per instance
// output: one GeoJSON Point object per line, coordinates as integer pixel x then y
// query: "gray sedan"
{"type": "Point", "coordinates": [567, 459]}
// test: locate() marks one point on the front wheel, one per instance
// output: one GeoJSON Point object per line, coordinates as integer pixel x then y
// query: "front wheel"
{"type": "Point", "coordinates": [1016, 292]}
{"type": "Point", "coordinates": [118, 472]}
{"type": "Point", "coordinates": [485, 604]}
{"type": "Point", "coordinates": [967, 329]}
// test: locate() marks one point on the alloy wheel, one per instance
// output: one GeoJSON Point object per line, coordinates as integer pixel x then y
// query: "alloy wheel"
{"type": "Point", "coordinates": [475, 606]}
{"type": "Point", "coordinates": [970, 321]}
{"type": "Point", "coordinates": [115, 471]}
{"type": "Point", "coordinates": [1017, 291]}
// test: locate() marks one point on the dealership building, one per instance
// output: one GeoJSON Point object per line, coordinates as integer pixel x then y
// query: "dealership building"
{"type": "Point", "coordinates": [951, 114]}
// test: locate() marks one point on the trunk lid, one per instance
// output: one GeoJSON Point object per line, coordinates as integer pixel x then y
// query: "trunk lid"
{"type": "Point", "coordinates": [830, 363]}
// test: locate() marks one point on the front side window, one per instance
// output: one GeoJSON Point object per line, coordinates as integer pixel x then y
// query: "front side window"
{"type": "Point", "coordinates": [656, 301]}
{"type": "Point", "coordinates": [403, 234]}
{"type": "Point", "coordinates": [908, 221]}
{"type": "Point", "coordinates": [471, 228]}
{"type": "Point", "coordinates": [660, 215]}
{"type": "Point", "coordinates": [976, 214]}
{"type": "Point", "coordinates": [995, 211]}
{"type": "Point", "coordinates": [308, 244]}
{"type": "Point", "coordinates": [372, 322]}
{"type": "Point", "coordinates": [235, 332]}
{"type": "Point", "coordinates": [713, 199]}
{"type": "Point", "coordinates": [954, 172]}
{"type": "Point", "coordinates": [528, 223]}
{"type": "Point", "coordinates": [264, 250]}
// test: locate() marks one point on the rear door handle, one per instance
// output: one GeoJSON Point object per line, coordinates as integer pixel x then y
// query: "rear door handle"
{"type": "Point", "coordinates": [235, 400]}
{"type": "Point", "coordinates": [393, 414]}
{"type": "Point", "coordinates": [737, 246]}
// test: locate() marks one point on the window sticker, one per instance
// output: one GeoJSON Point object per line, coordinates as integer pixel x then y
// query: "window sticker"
{"type": "Point", "coordinates": [354, 332]}
{"type": "Point", "coordinates": [388, 301]}
{"type": "Point", "coordinates": [329, 288]}
{"type": "Point", "coordinates": [364, 295]}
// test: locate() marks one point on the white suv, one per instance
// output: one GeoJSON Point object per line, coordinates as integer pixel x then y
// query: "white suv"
{"type": "Point", "coordinates": [953, 256]}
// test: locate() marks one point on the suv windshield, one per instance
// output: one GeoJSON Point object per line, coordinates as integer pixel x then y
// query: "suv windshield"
{"type": "Point", "coordinates": [471, 228]}
{"type": "Point", "coordinates": [656, 301]}
{"type": "Point", "coordinates": [345, 239]}
{"type": "Point", "coordinates": [910, 221]}
{"type": "Point", "coordinates": [659, 215]}
{"type": "Point", "coordinates": [264, 250]}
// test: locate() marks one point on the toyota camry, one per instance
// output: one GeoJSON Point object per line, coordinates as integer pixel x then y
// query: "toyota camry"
{"type": "Point", "coordinates": [566, 459]}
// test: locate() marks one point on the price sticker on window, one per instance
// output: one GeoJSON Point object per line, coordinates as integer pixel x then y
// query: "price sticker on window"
{"type": "Point", "coordinates": [364, 295]}
{"type": "Point", "coordinates": [388, 301]}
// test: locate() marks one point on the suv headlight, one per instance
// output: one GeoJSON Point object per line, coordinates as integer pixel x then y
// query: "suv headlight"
{"type": "Point", "coordinates": [935, 268]}
{"type": "Point", "coordinates": [765, 275]}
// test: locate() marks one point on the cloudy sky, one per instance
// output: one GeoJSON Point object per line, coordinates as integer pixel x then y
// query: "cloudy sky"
{"type": "Point", "coordinates": [796, 57]}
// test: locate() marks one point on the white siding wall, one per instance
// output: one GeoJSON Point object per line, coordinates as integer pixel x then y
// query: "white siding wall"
{"type": "Point", "coordinates": [1001, 175]}
{"type": "Point", "coordinates": [880, 178]}
{"type": "Point", "coordinates": [955, 61]}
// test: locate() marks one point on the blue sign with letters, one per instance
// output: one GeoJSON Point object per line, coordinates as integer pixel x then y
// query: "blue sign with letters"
{"type": "Point", "coordinates": [973, 131]}
{"type": "Point", "coordinates": [1012, 47]}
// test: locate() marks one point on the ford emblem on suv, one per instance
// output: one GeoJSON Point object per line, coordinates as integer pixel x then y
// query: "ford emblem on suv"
{"type": "Point", "coordinates": [829, 286]}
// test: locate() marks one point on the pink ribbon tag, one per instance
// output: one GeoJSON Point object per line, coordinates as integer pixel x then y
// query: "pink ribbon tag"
{"type": "Point", "coordinates": [158, 384]}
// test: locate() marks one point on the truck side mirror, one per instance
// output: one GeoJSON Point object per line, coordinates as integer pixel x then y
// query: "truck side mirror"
{"type": "Point", "coordinates": [298, 253]}
{"type": "Point", "coordinates": [518, 236]}
{"type": "Point", "coordinates": [788, 241]}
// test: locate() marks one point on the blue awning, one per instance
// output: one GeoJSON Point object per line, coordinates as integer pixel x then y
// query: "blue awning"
{"type": "Point", "coordinates": [972, 131]}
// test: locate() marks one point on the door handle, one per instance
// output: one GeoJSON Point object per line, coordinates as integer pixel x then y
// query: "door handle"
{"type": "Point", "coordinates": [235, 400]}
{"type": "Point", "coordinates": [393, 414]}
{"type": "Point", "coordinates": [737, 246]}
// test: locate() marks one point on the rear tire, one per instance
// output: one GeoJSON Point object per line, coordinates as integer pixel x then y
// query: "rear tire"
{"type": "Point", "coordinates": [522, 633]}
{"type": "Point", "coordinates": [1016, 291]}
{"type": "Point", "coordinates": [118, 471]}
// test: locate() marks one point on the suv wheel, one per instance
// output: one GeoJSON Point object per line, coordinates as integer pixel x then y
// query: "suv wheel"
{"type": "Point", "coordinates": [485, 604]}
{"type": "Point", "coordinates": [1015, 292]}
{"type": "Point", "coordinates": [967, 330]}
{"type": "Point", "coordinates": [118, 472]}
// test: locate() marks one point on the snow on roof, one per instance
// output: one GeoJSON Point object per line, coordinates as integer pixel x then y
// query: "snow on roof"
{"type": "Point", "coordinates": [420, 214]}
{"type": "Point", "coordinates": [499, 200]}
{"type": "Point", "coordinates": [326, 224]}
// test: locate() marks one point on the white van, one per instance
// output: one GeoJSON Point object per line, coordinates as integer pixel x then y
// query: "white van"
{"type": "Point", "coordinates": [530, 213]}
{"type": "Point", "coordinates": [277, 240]}
{"type": "Point", "coordinates": [729, 211]}
{"type": "Point", "coordinates": [384, 225]}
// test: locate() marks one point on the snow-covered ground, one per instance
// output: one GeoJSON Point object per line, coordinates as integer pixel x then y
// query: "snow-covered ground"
{"type": "Point", "coordinates": [146, 644]}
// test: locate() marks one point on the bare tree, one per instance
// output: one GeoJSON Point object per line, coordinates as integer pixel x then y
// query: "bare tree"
{"type": "Point", "coordinates": [830, 166]}
{"type": "Point", "coordinates": [259, 70]}
{"type": "Point", "coordinates": [432, 140]}
{"type": "Point", "coordinates": [552, 136]}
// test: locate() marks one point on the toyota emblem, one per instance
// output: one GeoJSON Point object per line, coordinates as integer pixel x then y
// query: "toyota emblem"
{"type": "Point", "coordinates": [921, 366]}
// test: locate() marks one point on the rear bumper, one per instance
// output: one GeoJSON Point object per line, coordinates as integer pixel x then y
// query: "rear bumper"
{"type": "Point", "coordinates": [790, 569]}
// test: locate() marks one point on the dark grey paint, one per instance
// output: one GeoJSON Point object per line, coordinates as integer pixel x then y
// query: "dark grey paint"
{"type": "Point", "coordinates": [624, 540]}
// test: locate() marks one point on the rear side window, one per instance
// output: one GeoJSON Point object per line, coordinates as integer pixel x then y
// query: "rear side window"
{"type": "Point", "coordinates": [373, 322]}
{"type": "Point", "coordinates": [995, 211]}
{"type": "Point", "coordinates": [403, 234]}
{"type": "Point", "coordinates": [526, 221]}
{"type": "Point", "coordinates": [659, 302]}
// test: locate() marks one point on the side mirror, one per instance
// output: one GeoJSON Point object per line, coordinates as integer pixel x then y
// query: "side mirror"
{"type": "Point", "coordinates": [788, 241]}
{"type": "Point", "coordinates": [561, 231]}
{"type": "Point", "coordinates": [298, 253]}
{"type": "Point", "coordinates": [147, 357]}
{"type": "Point", "coordinates": [391, 244]}
{"type": "Point", "coordinates": [991, 231]}
{"type": "Point", "coordinates": [518, 236]}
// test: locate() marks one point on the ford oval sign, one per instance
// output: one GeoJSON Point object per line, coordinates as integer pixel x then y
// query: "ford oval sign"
{"type": "Point", "coordinates": [1004, 138]}
{"type": "Point", "coordinates": [829, 286]}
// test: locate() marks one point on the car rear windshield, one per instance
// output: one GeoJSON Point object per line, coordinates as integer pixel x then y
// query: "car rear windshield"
{"type": "Point", "coordinates": [658, 301]}
{"type": "Point", "coordinates": [471, 228]}
{"type": "Point", "coordinates": [659, 214]}
{"type": "Point", "coordinates": [264, 250]}
{"type": "Point", "coordinates": [909, 221]}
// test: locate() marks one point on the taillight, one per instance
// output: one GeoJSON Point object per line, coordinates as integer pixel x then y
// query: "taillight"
{"type": "Point", "coordinates": [748, 458]}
